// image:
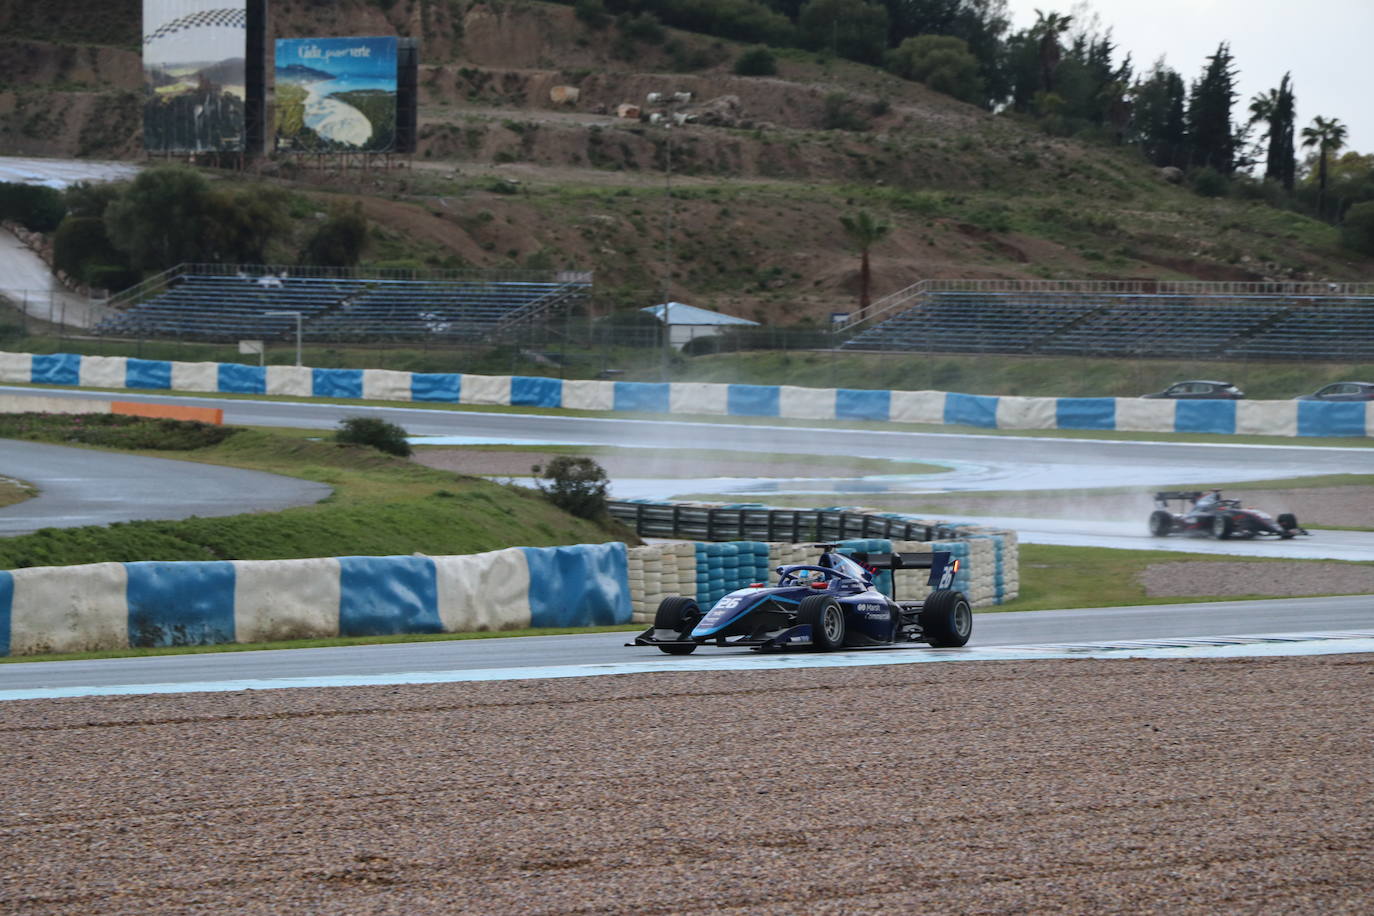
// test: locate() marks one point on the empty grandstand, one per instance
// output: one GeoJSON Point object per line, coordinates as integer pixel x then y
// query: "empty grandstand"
{"type": "Point", "coordinates": [1123, 319]}
{"type": "Point", "coordinates": [214, 302]}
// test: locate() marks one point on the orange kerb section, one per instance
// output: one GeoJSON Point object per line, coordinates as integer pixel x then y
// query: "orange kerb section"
{"type": "Point", "coordinates": [169, 411]}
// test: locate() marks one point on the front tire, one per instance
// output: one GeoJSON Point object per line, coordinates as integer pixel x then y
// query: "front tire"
{"type": "Point", "coordinates": [1288, 523]}
{"type": "Point", "coordinates": [1161, 523]}
{"type": "Point", "coordinates": [826, 619]}
{"type": "Point", "coordinates": [678, 614]}
{"type": "Point", "coordinates": [1222, 527]}
{"type": "Point", "coordinates": [946, 619]}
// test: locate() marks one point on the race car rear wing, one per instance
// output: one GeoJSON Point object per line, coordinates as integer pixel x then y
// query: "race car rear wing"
{"type": "Point", "coordinates": [1164, 495]}
{"type": "Point", "coordinates": [941, 564]}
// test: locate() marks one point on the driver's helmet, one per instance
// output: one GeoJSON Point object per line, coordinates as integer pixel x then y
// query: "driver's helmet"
{"type": "Point", "coordinates": [807, 576]}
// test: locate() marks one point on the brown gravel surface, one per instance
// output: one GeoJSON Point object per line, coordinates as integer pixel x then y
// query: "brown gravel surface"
{"type": "Point", "coordinates": [1037, 787]}
{"type": "Point", "coordinates": [1279, 580]}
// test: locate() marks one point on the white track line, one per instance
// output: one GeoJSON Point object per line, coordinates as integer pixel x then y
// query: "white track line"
{"type": "Point", "coordinates": [1250, 646]}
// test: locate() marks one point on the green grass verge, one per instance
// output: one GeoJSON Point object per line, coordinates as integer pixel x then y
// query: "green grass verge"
{"type": "Point", "coordinates": [14, 491]}
{"type": "Point", "coordinates": [380, 506]}
{"type": "Point", "coordinates": [1055, 578]}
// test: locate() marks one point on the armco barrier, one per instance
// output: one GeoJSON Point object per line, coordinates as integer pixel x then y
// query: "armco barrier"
{"type": "Point", "coordinates": [116, 605]}
{"type": "Point", "coordinates": [1272, 418]}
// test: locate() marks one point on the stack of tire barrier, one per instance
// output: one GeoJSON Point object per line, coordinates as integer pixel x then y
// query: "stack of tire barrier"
{"type": "Point", "coordinates": [709, 571]}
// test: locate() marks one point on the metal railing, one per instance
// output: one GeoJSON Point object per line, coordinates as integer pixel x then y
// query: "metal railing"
{"type": "Point", "coordinates": [717, 523]}
{"type": "Point", "coordinates": [388, 273]}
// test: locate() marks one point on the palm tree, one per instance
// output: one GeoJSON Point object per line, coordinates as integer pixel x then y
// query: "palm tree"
{"type": "Point", "coordinates": [1328, 137]}
{"type": "Point", "coordinates": [1048, 27]}
{"type": "Point", "coordinates": [865, 232]}
{"type": "Point", "coordinates": [1275, 109]}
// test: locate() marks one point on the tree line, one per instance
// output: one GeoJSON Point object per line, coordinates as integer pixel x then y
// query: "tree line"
{"type": "Point", "coordinates": [1066, 74]}
{"type": "Point", "coordinates": [111, 235]}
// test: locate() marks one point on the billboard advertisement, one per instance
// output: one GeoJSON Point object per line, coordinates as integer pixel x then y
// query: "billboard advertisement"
{"type": "Point", "coordinates": [194, 74]}
{"type": "Point", "coordinates": [335, 94]}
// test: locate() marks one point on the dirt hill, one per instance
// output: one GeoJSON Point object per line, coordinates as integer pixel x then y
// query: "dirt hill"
{"type": "Point", "coordinates": [506, 177]}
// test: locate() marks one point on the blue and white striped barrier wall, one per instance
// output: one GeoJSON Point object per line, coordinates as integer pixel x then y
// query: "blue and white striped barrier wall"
{"type": "Point", "coordinates": [102, 606]}
{"type": "Point", "coordinates": [1265, 418]}
{"type": "Point", "coordinates": [117, 605]}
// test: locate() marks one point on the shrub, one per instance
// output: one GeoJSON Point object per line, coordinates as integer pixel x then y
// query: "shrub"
{"type": "Point", "coordinates": [1208, 182]}
{"type": "Point", "coordinates": [842, 112]}
{"type": "Point", "coordinates": [592, 13]}
{"type": "Point", "coordinates": [643, 27]}
{"type": "Point", "coordinates": [35, 207]}
{"type": "Point", "coordinates": [112, 430]}
{"type": "Point", "coordinates": [1357, 232]}
{"type": "Point", "coordinates": [378, 434]}
{"type": "Point", "coordinates": [757, 61]}
{"type": "Point", "coordinates": [575, 485]}
{"type": "Point", "coordinates": [339, 241]}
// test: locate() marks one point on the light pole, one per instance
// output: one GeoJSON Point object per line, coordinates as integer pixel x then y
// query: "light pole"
{"type": "Point", "coordinates": [298, 330]}
{"type": "Point", "coordinates": [670, 101]}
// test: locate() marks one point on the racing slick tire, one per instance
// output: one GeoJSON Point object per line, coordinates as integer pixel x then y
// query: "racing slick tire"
{"type": "Point", "coordinates": [1288, 522]}
{"type": "Point", "coordinates": [1161, 523]}
{"type": "Point", "coordinates": [826, 619]}
{"type": "Point", "coordinates": [946, 619]}
{"type": "Point", "coordinates": [1222, 527]}
{"type": "Point", "coordinates": [680, 614]}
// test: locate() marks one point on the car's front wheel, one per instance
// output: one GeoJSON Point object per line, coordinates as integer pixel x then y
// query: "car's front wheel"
{"type": "Point", "coordinates": [678, 614]}
{"type": "Point", "coordinates": [946, 619]}
{"type": "Point", "coordinates": [1288, 522]}
{"type": "Point", "coordinates": [826, 618]}
{"type": "Point", "coordinates": [1161, 523]}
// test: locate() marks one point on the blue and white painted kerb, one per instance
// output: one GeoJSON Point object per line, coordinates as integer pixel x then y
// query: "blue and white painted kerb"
{"type": "Point", "coordinates": [1262, 418]}
{"type": "Point", "coordinates": [117, 605]}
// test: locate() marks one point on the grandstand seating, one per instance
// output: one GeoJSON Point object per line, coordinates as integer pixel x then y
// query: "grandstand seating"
{"type": "Point", "coordinates": [1139, 325]}
{"type": "Point", "coordinates": [1129, 324]}
{"type": "Point", "coordinates": [1314, 329]}
{"type": "Point", "coordinates": [974, 321]}
{"type": "Point", "coordinates": [236, 307]}
{"type": "Point", "coordinates": [407, 310]}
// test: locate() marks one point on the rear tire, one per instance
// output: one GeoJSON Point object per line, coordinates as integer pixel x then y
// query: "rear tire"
{"type": "Point", "coordinates": [1288, 522]}
{"type": "Point", "coordinates": [946, 619]}
{"type": "Point", "coordinates": [826, 619]}
{"type": "Point", "coordinates": [1161, 523]}
{"type": "Point", "coordinates": [1222, 527]}
{"type": "Point", "coordinates": [678, 614]}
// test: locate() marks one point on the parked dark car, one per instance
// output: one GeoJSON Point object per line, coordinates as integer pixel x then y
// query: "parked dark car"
{"type": "Point", "coordinates": [1199, 389]}
{"type": "Point", "coordinates": [1341, 391]}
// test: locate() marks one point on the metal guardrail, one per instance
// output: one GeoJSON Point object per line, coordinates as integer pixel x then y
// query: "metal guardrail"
{"type": "Point", "coordinates": [388, 273]}
{"type": "Point", "coordinates": [796, 526]}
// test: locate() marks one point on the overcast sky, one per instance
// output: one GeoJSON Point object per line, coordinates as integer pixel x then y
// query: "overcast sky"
{"type": "Point", "coordinates": [1324, 43]}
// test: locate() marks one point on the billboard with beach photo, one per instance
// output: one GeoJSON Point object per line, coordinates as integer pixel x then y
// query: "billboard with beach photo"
{"type": "Point", "coordinates": [335, 94]}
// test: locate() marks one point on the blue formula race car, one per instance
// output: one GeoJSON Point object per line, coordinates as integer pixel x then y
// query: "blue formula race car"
{"type": "Point", "coordinates": [830, 605]}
